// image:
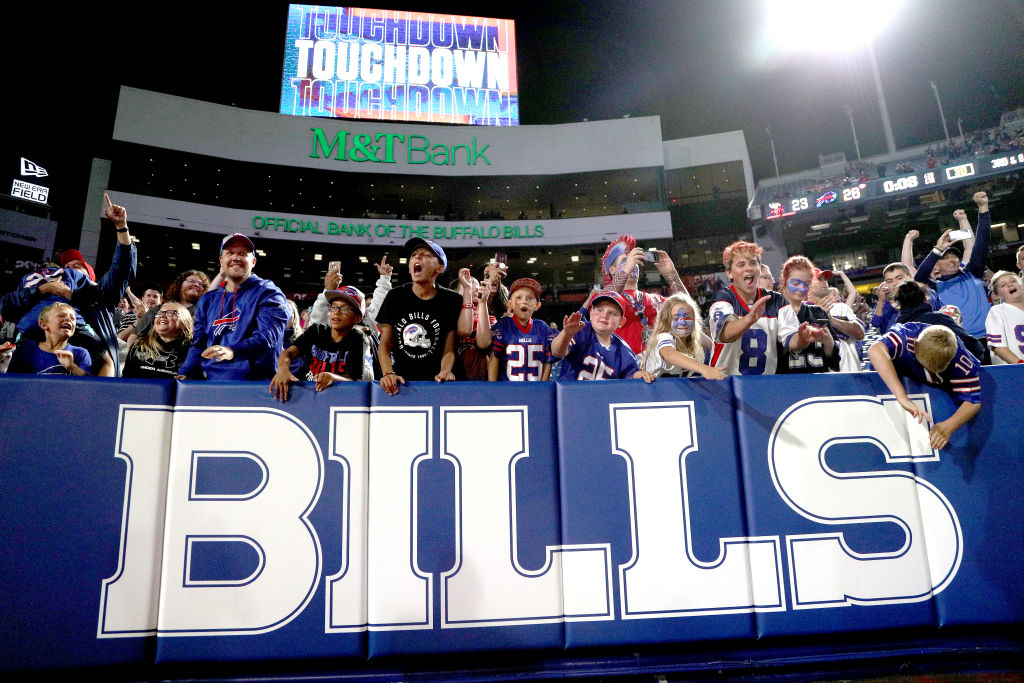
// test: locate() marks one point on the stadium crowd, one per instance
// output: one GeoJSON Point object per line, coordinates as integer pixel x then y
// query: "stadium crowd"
{"type": "Point", "coordinates": [938, 320]}
{"type": "Point", "coordinates": [989, 141]}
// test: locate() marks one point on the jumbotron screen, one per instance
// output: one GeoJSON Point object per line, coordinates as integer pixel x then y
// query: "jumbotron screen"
{"type": "Point", "coordinates": [399, 66]}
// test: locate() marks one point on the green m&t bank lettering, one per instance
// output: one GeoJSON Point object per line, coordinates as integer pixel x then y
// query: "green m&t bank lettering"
{"type": "Point", "coordinates": [339, 227]}
{"type": "Point", "coordinates": [380, 148]}
{"type": "Point", "coordinates": [281, 224]}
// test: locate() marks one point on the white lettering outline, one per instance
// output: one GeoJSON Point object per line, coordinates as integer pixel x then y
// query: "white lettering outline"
{"type": "Point", "coordinates": [241, 455]}
{"type": "Point", "coordinates": [156, 559]}
{"type": "Point", "coordinates": [192, 539]}
{"type": "Point", "coordinates": [303, 518]}
{"type": "Point", "coordinates": [550, 551]}
{"type": "Point", "coordinates": [742, 542]}
{"type": "Point", "coordinates": [347, 562]}
{"type": "Point", "coordinates": [927, 455]}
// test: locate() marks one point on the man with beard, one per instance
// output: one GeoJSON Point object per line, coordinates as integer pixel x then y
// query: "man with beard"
{"type": "Point", "coordinates": [186, 289]}
{"type": "Point", "coordinates": [238, 330]}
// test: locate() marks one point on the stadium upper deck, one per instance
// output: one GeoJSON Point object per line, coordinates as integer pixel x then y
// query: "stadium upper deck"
{"type": "Point", "coordinates": [314, 190]}
{"type": "Point", "coordinates": [855, 215]}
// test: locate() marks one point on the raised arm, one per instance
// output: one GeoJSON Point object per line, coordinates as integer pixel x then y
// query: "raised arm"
{"type": "Point", "coordinates": [380, 291]}
{"type": "Point", "coordinates": [907, 254]}
{"type": "Point", "coordinates": [982, 235]}
{"type": "Point", "coordinates": [122, 268]}
{"type": "Point", "coordinates": [924, 271]}
{"type": "Point", "coordinates": [465, 324]}
{"type": "Point", "coordinates": [571, 324]}
{"type": "Point", "coordinates": [483, 316]}
{"type": "Point", "coordinates": [961, 219]}
{"type": "Point", "coordinates": [318, 315]}
{"type": "Point", "coordinates": [670, 274]}
{"type": "Point", "coordinates": [621, 276]}
{"type": "Point", "coordinates": [851, 291]}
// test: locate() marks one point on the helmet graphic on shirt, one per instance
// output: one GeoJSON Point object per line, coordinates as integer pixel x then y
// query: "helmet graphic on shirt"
{"type": "Point", "coordinates": [415, 335]}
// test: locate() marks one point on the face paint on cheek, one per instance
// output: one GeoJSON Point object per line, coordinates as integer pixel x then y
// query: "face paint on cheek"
{"type": "Point", "coordinates": [613, 254]}
{"type": "Point", "coordinates": [798, 286]}
{"type": "Point", "coordinates": [682, 325]}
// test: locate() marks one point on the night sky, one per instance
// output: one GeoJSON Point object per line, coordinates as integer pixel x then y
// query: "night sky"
{"type": "Point", "coordinates": [703, 66]}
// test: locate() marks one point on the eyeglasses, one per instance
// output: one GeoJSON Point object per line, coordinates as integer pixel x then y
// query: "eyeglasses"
{"type": "Point", "coordinates": [194, 281]}
{"type": "Point", "coordinates": [167, 314]}
{"type": "Point", "coordinates": [343, 309]}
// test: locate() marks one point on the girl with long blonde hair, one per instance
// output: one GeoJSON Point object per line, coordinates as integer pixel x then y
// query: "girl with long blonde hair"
{"type": "Point", "coordinates": [161, 352]}
{"type": "Point", "coordinates": [679, 346]}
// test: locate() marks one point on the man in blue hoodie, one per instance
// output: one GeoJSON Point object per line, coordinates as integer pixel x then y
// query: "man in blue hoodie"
{"type": "Point", "coordinates": [239, 325]}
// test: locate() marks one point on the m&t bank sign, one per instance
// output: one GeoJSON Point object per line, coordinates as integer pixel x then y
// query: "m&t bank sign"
{"type": "Point", "coordinates": [391, 148]}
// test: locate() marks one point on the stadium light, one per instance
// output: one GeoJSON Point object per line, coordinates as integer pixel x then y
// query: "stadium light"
{"type": "Point", "coordinates": [826, 25]}
{"type": "Point", "coordinates": [830, 26]}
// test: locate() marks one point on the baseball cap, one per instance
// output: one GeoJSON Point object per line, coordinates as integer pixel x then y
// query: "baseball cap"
{"type": "Point", "coordinates": [612, 296]}
{"type": "Point", "coordinates": [823, 274]}
{"type": "Point", "coordinates": [527, 282]}
{"type": "Point", "coordinates": [69, 255]}
{"type": "Point", "coordinates": [417, 242]}
{"type": "Point", "coordinates": [955, 248]}
{"type": "Point", "coordinates": [350, 295]}
{"type": "Point", "coordinates": [950, 310]}
{"type": "Point", "coordinates": [239, 237]}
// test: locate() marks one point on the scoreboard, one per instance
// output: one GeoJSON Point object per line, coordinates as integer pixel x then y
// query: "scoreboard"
{"type": "Point", "coordinates": [895, 185]}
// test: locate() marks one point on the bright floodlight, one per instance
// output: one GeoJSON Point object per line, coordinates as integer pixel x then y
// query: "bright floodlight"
{"type": "Point", "coordinates": [825, 25]}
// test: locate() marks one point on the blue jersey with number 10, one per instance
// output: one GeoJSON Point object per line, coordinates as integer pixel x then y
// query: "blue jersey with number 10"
{"type": "Point", "coordinates": [754, 353]}
{"type": "Point", "coordinates": [521, 352]}
{"type": "Point", "coordinates": [959, 379]}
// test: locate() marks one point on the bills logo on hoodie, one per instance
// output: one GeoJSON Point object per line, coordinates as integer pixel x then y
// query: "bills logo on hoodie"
{"type": "Point", "coordinates": [225, 324]}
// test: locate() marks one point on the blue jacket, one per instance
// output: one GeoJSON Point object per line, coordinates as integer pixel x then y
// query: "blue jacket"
{"type": "Point", "coordinates": [965, 289]}
{"type": "Point", "coordinates": [251, 321]}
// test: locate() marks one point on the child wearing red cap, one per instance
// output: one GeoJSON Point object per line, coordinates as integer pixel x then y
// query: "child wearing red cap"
{"type": "Point", "coordinates": [520, 345]}
{"type": "Point", "coordinates": [591, 349]}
